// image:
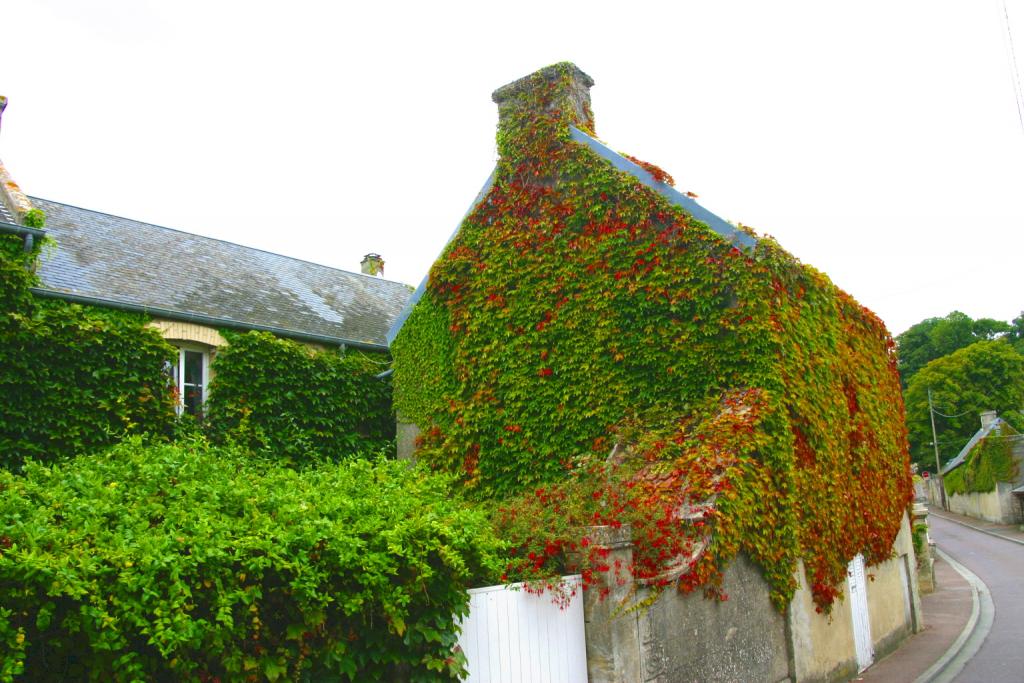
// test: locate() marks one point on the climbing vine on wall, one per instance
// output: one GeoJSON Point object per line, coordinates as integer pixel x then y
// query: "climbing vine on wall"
{"type": "Point", "coordinates": [578, 312]}
{"type": "Point", "coordinates": [298, 403]}
{"type": "Point", "coordinates": [74, 378]}
{"type": "Point", "coordinates": [990, 461]}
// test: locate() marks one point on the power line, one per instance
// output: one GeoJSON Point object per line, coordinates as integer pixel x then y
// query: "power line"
{"type": "Point", "coordinates": [1018, 92]}
{"type": "Point", "coordinates": [952, 416]}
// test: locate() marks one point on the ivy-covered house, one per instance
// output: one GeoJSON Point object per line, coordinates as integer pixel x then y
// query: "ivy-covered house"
{"type": "Point", "coordinates": [194, 286]}
{"type": "Point", "coordinates": [986, 478]}
{"type": "Point", "coordinates": [193, 293]}
{"type": "Point", "coordinates": [743, 414]}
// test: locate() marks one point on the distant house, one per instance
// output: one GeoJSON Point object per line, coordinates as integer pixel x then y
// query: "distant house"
{"type": "Point", "coordinates": [986, 478]}
{"type": "Point", "coordinates": [193, 286]}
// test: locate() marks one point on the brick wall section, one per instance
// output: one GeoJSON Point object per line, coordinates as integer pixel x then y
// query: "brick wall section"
{"type": "Point", "coordinates": [189, 332]}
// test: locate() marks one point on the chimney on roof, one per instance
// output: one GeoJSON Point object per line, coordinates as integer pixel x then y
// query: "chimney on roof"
{"type": "Point", "coordinates": [372, 264]}
{"type": "Point", "coordinates": [987, 418]}
{"type": "Point", "coordinates": [558, 94]}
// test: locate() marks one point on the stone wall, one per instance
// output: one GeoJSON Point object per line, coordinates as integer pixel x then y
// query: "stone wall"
{"type": "Point", "coordinates": [680, 638]}
{"type": "Point", "coordinates": [406, 433]}
{"type": "Point", "coordinates": [894, 600]}
{"type": "Point", "coordinates": [998, 506]}
{"type": "Point", "coordinates": [687, 638]}
{"type": "Point", "coordinates": [822, 645]}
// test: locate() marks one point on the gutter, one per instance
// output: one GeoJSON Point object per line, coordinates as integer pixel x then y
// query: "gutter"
{"type": "Point", "coordinates": [208, 320]}
{"type": "Point", "coordinates": [28, 235]}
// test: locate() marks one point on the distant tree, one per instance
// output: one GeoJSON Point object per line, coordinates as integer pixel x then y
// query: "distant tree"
{"type": "Point", "coordinates": [937, 337]}
{"type": "Point", "coordinates": [990, 328]}
{"type": "Point", "coordinates": [987, 375]}
{"type": "Point", "coordinates": [1016, 333]}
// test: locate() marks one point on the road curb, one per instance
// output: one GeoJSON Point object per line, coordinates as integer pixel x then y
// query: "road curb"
{"type": "Point", "coordinates": [977, 528]}
{"type": "Point", "coordinates": [967, 644]}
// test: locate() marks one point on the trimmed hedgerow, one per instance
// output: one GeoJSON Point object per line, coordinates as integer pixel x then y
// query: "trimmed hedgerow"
{"type": "Point", "coordinates": [577, 310]}
{"type": "Point", "coordinates": [194, 563]}
{"type": "Point", "coordinates": [295, 402]}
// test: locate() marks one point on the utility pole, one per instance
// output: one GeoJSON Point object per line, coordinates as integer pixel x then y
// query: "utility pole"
{"type": "Point", "coordinates": [935, 443]}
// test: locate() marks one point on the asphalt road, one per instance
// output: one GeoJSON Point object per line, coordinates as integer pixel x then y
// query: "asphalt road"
{"type": "Point", "coordinates": [1000, 564]}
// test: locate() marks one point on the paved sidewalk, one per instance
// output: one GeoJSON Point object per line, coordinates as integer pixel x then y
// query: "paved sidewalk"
{"type": "Point", "coordinates": [946, 611]}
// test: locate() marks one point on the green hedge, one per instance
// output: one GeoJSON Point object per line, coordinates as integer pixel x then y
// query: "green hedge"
{"type": "Point", "coordinates": [189, 562]}
{"type": "Point", "coordinates": [285, 398]}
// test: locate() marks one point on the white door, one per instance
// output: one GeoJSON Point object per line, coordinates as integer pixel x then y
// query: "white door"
{"type": "Point", "coordinates": [859, 613]}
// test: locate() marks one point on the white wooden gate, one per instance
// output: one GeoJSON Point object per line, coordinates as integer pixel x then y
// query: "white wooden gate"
{"type": "Point", "coordinates": [512, 636]}
{"type": "Point", "coordinates": [859, 613]}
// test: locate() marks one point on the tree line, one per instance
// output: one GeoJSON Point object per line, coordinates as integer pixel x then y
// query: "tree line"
{"type": "Point", "coordinates": [969, 366]}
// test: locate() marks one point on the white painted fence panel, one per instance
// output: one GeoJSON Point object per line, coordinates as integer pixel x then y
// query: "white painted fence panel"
{"type": "Point", "coordinates": [512, 636]}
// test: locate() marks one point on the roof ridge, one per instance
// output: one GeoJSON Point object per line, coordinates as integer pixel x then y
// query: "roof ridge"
{"type": "Point", "coordinates": [218, 239]}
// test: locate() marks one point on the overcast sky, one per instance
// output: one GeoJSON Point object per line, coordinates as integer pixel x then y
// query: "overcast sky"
{"type": "Point", "coordinates": [879, 141]}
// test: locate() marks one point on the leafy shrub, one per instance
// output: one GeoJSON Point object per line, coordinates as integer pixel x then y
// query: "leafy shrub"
{"type": "Point", "coordinates": [189, 562]}
{"type": "Point", "coordinates": [282, 397]}
{"type": "Point", "coordinates": [76, 379]}
{"type": "Point", "coordinates": [919, 537]}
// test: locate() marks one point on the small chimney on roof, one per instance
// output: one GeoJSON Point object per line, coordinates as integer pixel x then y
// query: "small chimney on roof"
{"type": "Point", "coordinates": [560, 91]}
{"type": "Point", "coordinates": [987, 418]}
{"type": "Point", "coordinates": [372, 264]}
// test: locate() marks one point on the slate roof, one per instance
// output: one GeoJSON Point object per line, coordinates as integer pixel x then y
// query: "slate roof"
{"type": "Point", "coordinates": [185, 276]}
{"type": "Point", "coordinates": [5, 215]}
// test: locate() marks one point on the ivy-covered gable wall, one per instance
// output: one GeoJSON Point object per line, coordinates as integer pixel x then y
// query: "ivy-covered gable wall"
{"type": "Point", "coordinates": [576, 309]}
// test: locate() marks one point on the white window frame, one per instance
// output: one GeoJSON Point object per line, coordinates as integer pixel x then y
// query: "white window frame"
{"type": "Point", "coordinates": [178, 374]}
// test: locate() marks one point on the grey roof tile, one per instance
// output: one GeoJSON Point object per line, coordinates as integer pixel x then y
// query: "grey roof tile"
{"type": "Point", "coordinates": [127, 261]}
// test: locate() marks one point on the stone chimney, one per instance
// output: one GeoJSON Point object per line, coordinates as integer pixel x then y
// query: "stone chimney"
{"type": "Point", "coordinates": [987, 418]}
{"type": "Point", "coordinates": [14, 205]}
{"type": "Point", "coordinates": [545, 102]}
{"type": "Point", "coordinates": [372, 264]}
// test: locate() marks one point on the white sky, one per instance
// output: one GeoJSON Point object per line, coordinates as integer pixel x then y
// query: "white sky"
{"type": "Point", "coordinates": [879, 141]}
